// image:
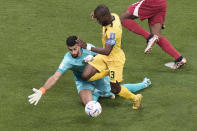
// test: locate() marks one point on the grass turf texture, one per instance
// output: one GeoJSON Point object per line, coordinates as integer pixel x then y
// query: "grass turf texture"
{"type": "Point", "coordinates": [33, 34]}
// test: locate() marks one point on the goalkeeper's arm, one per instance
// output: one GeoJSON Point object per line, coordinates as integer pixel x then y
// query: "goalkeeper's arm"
{"type": "Point", "coordinates": [34, 98]}
{"type": "Point", "coordinates": [52, 81]}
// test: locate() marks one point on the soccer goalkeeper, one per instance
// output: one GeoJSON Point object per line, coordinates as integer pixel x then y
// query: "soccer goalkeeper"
{"type": "Point", "coordinates": [76, 60]}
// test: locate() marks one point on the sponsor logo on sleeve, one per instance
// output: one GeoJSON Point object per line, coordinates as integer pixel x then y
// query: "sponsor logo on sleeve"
{"type": "Point", "coordinates": [111, 40]}
{"type": "Point", "coordinates": [61, 66]}
{"type": "Point", "coordinates": [112, 35]}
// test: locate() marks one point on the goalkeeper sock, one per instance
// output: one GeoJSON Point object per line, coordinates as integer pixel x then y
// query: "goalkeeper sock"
{"type": "Point", "coordinates": [135, 87]}
{"type": "Point", "coordinates": [125, 93]}
{"type": "Point", "coordinates": [95, 95]}
{"type": "Point", "coordinates": [99, 75]}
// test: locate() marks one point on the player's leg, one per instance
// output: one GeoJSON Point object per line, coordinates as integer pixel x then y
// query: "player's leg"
{"type": "Point", "coordinates": [89, 71]}
{"type": "Point", "coordinates": [127, 20]}
{"type": "Point", "coordinates": [94, 67]}
{"type": "Point", "coordinates": [103, 86]}
{"type": "Point", "coordinates": [163, 42]}
{"type": "Point", "coordinates": [89, 95]}
{"type": "Point", "coordinates": [138, 86]}
{"type": "Point", "coordinates": [133, 12]}
{"type": "Point", "coordinates": [155, 30]}
{"type": "Point", "coordinates": [155, 24]}
{"type": "Point", "coordinates": [86, 96]}
{"type": "Point", "coordinates": [85, 90]}
{"type": "Point", "coordinates": [98, 93]}
{"type": "Point", "coordinates": [99, 75]}
{"type": "Point", "coordinates": [122, 91]}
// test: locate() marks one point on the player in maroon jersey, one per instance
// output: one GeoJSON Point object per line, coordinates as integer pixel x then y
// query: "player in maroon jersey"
{"type": "Point", "coordinates": [155, 12]}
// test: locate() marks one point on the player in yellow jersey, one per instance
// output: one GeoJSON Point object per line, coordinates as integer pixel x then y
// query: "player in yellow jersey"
{"type": "Point", "coordinates": [111, 56]}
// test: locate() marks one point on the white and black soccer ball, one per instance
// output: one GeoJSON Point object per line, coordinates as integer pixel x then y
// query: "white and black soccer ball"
{"type": "Point", "coordinates": [93, 108]}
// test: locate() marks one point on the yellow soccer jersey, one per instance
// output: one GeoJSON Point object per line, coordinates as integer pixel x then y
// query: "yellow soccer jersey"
{"type": "Point", "coordinates": [112, 34]}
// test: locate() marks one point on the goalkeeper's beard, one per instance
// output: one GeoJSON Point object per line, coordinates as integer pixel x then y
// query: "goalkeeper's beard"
{"type": "Point", "coordinates": [78, 54]}
{"type": "Point", "coordinates": [75, 55]}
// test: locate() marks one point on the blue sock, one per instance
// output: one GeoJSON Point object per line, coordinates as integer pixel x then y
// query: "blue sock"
{"type": "Point", "coordinates": [95, 95]}
{"type": "Point", "coordinates": [135, 87]}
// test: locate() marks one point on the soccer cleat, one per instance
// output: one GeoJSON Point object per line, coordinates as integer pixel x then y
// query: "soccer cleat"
{"type": "Point", "coordinates": [146, 81]}
{"type": "Point", "coordinates": [137, 102]}
{"type": "Point", "coordinates": [178, 64]}
{"type": "Point", "coordinates": [163, 26]}
{"type": "Point", "coordinates": [150, 43]}
{"type": "Point", "coordinates": [169, 64]}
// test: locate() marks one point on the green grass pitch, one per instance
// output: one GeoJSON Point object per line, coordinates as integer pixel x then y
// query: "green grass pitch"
{"type": "Point", "coordinates": [32, 44]}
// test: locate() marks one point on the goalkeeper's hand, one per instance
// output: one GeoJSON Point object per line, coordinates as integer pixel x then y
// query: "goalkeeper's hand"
{"type": "Point", "coordinates": [34, 98]}
{"type": "Point", "coordinates": [88, 58]}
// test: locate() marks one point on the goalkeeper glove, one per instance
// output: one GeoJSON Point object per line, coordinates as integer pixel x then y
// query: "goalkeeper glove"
{"type": "Point", "coordinates": [34, 98]}
{"type": "Point", "coordinates": [88, 58]}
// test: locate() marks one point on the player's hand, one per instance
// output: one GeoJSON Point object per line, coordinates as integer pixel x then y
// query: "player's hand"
{"type": "Point", "coordinates": [81, 43]}
{"type": "Point", "coordinates": [88, 58]}
{"type": "Point", "coordinates": [34, 98]}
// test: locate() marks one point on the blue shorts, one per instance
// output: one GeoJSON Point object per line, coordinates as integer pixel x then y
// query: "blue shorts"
{"type": "Point", "coordinates": [101, 84]}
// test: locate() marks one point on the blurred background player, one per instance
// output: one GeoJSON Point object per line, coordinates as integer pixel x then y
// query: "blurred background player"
{"type": "Point", "coordinates": [111, 56]}
{"type": "Point", "coordinates": [76, 60]}
{"type": "Point", "coordinates": [155, 12]}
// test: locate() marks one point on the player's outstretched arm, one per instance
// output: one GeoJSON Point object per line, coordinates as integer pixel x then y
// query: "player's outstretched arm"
{"type": "Point", "coordinates": [35, 97]}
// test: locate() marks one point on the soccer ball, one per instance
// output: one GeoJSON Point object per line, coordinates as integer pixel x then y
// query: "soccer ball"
{"type": "Point", "coordinates": [93, 108]}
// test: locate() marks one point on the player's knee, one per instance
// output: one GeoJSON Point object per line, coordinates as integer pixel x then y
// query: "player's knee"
{"type": "Point", "coordinates": [156, 29]}
{"type": "Point", "coordinates": [115, 88]}
{"type": "Point", "coordinates": [124, 16]}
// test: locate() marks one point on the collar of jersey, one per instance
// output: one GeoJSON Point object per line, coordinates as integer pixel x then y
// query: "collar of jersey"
{"type": "Point", "coordinates": [109, 25]}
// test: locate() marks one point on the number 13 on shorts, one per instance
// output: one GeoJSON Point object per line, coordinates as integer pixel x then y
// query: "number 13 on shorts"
{"type": "Point", "coordinates": [112, 75]}
{"type": "Point", "coordinates": [116, 75]}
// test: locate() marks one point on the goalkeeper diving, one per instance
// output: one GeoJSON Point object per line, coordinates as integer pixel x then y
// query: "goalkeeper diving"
{"type": "Point", "coordinates": [76, 60]}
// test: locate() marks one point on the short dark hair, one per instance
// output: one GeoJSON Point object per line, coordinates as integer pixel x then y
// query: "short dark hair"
{"type": "Point", "coordinates": [71, 40]}
{"type": "Point", "coordinates": [101, 10]}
